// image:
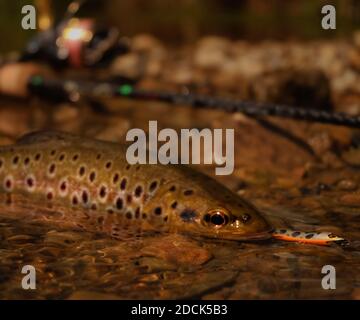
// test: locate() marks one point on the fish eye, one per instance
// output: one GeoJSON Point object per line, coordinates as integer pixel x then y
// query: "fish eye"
{"type": "Point", "coordinates": [216, 218]}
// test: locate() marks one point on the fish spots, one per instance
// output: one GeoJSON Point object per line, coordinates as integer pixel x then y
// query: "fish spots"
{"type": "Point", "coordinates": [92, 176]}
{"type": "Point", "coordinates": [119, 203]}
{"type": "Point", "coordinates": [137, 213]}
{"type": "Point", "coordinates": [74, 199]}
{"type": "Point", "coordinates": [116, 178]}
{"type": "Point", "coordinates": [158, 211]}
{"type": "Point", "coordinates": [108, 165]}
{"type": "Point", "coordinates": [103, 191]}
{"type": "Point", "coordinates": [75, 157]}
{"type": "Point", "coordinates": [128, 215]}
{"type": "Point", "coordinates": [8, 183]}
{"type": "Point", "coordinates": [153, 186]}
{"type": "Point", "coordinates": [123, 184]}
{"type": "Point", "coordinates": [53, 153]}
{"type": "Point", "coordinates": [144, 215]}
{"type": "Point", "coordinates": [188, 192]}
{"type": "Point", "coordinates": [26, 161]}
{"type": "Point", "coordinates": [52, 170]}
{"type": "Point", "coordinates": [98, 156]}
{"type": "Point", "coordinates": [94, 206]}
{"type": "Point", "coordinates": [174, 205]}
{"type": "Point", "coordinates": [129, 198]}
{"type": "Point", "coordinates": [138, 191]}
{"type": "Point", "coordinates": [81, 171]}
{"type": "Point", "coordinates": [128, 167]}
{"type": "Point", "coordinates": [188, 215]}
{"type": "Point", "coordinates": [85, 197]}
{"type": "Point", "coordinates": [296, 233]}
{"type": "Point", "coordinates": [110, 210]}
{"type": "Point", "coordinates": [49, 194]}
{"type": "Point", "coordinates": [309, 236]}
{"type": "Point", "coordinates": [63, 187]}
{"type": "Point", "coordinates": [37, 157]}
{"type": "Point", "coordinates": [15, 160]}
{"type": "Point", "coordinates": [30, 183]}
{"type": "Point", "coordinates": [62, 157]}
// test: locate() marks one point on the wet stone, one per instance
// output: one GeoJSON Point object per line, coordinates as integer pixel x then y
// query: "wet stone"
{"type": "Point", "coordinates": [347, 185]}
{"type": "Point", "coordinates": [178, 249]}
{"type": "Point", "coordinates": [351, 199]}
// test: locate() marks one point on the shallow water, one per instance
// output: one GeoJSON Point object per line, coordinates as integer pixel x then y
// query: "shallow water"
{"type": "Point", "coordinates": [73, 264]}
{"type": "Point", "coordinates": [313, 188]}
{"type": "Point", "coordinates": [77, 264]}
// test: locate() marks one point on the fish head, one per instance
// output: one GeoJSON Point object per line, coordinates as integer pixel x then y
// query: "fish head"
{"type": "Point", "coordinates": [224, 216]}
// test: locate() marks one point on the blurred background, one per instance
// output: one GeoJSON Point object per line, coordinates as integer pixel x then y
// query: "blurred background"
{"type": "Point", "coordinates": [188, 20]}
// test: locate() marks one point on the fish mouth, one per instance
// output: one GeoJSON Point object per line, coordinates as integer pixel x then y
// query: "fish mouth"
{"type": "Point", "coordinates": [263, 235]}
{"type": "Point", "coordinates": [260, 235]}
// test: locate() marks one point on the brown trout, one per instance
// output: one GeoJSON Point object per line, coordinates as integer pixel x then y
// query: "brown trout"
{"type": "Point", "coordinates": [55, 169]}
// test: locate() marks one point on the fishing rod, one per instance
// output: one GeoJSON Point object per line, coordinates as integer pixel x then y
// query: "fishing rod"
{"type": "Point", "coordinates": [76, 43]}
{"type": "Point", "coordinates": [14, 81]}
{"type": "Point", "coordinates": [126, 90]}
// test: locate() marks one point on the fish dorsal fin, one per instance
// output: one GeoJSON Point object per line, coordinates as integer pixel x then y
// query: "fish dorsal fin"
{"type": "Point", "coordinates": [64, 139]}
{"type": "Point", "coordinates": [46, 137]}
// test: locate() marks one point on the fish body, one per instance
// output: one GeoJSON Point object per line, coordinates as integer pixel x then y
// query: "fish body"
{"type": "Point", "coordinates": [61, 170]}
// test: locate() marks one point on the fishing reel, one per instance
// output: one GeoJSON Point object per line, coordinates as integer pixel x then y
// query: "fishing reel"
{"type": "Point", "coordinates": [72, 43]}
{"type": "Point", "coordinates": [76, 42]}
